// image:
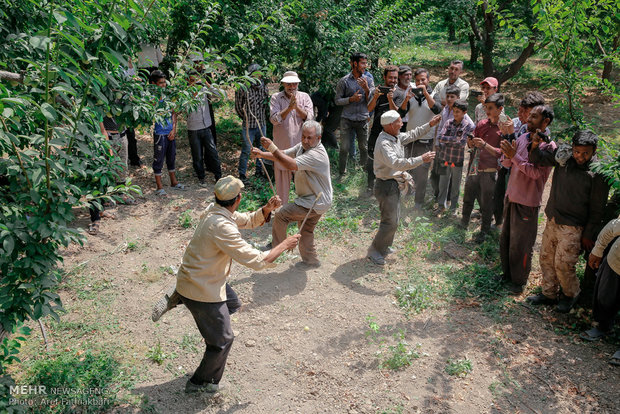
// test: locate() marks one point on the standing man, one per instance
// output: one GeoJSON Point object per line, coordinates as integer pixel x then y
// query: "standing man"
{"type": "Point", "coordinates": [289, 109]}
{"type": "Point", "coordinates": [310, 162]}
{"type": "Point", "coordinates": [422, 108]}
{"type": "Point", "coordinates": [401, 93]}
{"type": "Point", "coordinates": [253, 102]}
{"type": "Point", "coordinates": [489, 87]}
{"type": "Point", "coordinates": [389, 164]}
{"type": "Point", "coordinates": [480, 182]}
{"type": "Point", "coordinates": [201, 142]}
{"type": "Point", "coordinates": [381, 101]}
{"type": "Point", "coordinates": [353, 93]}
{"type": "Point", "coordinates": [574, 210]}
{"type": "Point", "coordinates": [201, 280]}
{"type": "Point", "coordinates": [454, 72]}
{"type": "Point", "coordinates": [523, 199]}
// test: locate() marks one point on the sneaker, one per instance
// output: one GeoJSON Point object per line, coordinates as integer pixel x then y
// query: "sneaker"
{"type": "Point", "coordinates": [378, 260]}
{"type": "Point", "coordinates": [480, 237]}
{"type": "Point", "coordinates": [308, 265]}
{"type": "Point", "coordinates": [593, 334]}
{"type": "Point", "coordinates": [202, 182]}
{"type": "Point", "coordinates": [541, 299]}
{"type": "Point", "coordinates": [209, 388]}
{"type": "Point", "coordinates": [514, 289]}
{"type": "Point", "coordinates": [391, 250]}
{"type": "Point", "coordinates": [566, 303]}
{"type": "Point", "coordinates": [170, 299]}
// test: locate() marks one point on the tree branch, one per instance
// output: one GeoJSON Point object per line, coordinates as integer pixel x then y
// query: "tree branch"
{"type": "Point", "coordinates": [10, 76]}
{"type": "Point", "coordinates": [516, 64]}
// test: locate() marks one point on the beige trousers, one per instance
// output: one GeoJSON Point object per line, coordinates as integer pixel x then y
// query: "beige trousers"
{"type": "Point", "coordinates": [290, 213]}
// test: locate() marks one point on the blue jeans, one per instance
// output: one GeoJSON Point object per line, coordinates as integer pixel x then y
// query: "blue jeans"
{"type": "Point", "coordinates": [204, 153]}
{"type": "Point", "coordinates": [255, 134]}
{"type": "Point", "coordinates": [163, 149]}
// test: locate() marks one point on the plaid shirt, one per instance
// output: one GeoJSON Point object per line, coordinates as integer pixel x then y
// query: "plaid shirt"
{"type": "Point", "coordinates": [452, 140]}
{"type": "Point", "coordinates": [254, 101]}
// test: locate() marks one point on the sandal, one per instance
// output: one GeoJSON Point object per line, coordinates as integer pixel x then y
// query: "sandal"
{"type": "Point", "coordinates": [179, 186]}
{"type": "Point", "coordinates": [108, 215]}
{"type": "Point", "coordinates": [615, 359]}
{"type": "Point", "coordinates": [161, 192]}
{"type": "Point", "coordinates": [93, 228]}
{"type": "Point", "coordinates": [592, 335]}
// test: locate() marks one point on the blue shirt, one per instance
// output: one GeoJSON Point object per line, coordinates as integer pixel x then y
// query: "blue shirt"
{"type": "Point", "coordinates": [166, 128]}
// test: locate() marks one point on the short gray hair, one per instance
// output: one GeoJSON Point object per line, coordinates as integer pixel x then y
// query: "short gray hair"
{"type": "Point", "coordinates": [318, 128]}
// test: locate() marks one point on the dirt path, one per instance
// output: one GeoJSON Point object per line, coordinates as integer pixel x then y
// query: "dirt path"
{"type": "Point", "coordinates": [303, 339]}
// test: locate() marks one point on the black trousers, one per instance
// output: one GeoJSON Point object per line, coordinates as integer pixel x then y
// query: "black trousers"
{"type": "Point", "coordinates": [606, 303]}
{"type": "Point", "coordinates": [516, 241]}
{"type": "Point", "coordinates": [132, 147]}
{"type": "Point", "coordinates": [213, 321]}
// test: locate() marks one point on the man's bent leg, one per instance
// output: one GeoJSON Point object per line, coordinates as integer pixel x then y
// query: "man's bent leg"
{"type": "Point", "coordinates": [307, 249]}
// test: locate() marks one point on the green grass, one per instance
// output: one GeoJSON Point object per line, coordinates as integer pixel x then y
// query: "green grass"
{"type": "Point", "coordinates": [186, 220]}
{"type": "Point", "coordinates": [458, 367]}
{"type": "Point", "coordinates": [415, 295]}
{"type": "Point", "coordinates": [87, 381]}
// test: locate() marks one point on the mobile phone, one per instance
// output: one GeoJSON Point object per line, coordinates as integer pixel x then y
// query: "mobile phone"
{"type": "Point", "coordinates": [544, 137]}
{"type": "Point", "coordinates": [418, 92]}
{"type": "Point", "coordinates": [502, 117]}
{"type": "Point", "coordinates": [384, 89]}
{"type": "Point", "coordinates": [475, 93]}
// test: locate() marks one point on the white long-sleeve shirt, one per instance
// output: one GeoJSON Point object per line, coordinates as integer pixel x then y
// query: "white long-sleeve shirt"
{"type": "Point", "coordinates": [390, 153]}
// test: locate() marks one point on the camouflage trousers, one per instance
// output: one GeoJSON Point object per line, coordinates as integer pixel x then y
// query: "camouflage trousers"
{"type": "Point", "coordinates": [559, 253]}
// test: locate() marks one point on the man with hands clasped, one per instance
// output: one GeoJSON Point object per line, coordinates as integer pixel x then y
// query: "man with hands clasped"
{"type": "Point", "coordinates": [289, 109]}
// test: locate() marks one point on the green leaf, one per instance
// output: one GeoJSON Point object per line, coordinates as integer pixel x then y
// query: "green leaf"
{"type": "Point", "coordinates": [39, 42]}
{"type": "Point", "coordinates": [48, 112]}
{"type": "Point", "coordinates": [60, 18]}
{"type": "Point", "coordinates": [8, 244]}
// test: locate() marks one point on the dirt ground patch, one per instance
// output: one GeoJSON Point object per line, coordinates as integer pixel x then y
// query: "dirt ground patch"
{"type": "Point", "coordinates": [304, 339]}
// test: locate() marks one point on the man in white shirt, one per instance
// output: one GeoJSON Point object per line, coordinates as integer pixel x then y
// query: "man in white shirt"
{"type": "Point", "coordinates": [454, 72]}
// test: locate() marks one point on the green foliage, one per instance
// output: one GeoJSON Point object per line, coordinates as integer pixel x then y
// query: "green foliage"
{"type": "Point", "coordinates": [186, 220]}
{"type": "Point", "coordinates": [414, 296]}
{"type": "Point", "coordinates": [398, 355]}
{"type": "Point", "coordinates": [158, 355]}
{"type": "Point", "coordinates": [10, 345]}
{"type": "Point", "coordinates": [76, 371]}
{"type": "Point", "coordinates": [458, 367]}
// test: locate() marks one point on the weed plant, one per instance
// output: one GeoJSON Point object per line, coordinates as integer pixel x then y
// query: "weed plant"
{"type": "Point", "coordinates": [458, 367]}
{"type": "Point", "coordinates": [186, 220]}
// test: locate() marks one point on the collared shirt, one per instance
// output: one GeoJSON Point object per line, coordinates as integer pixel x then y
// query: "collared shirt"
{"type": "Point", "coordinates": [452, 141]}
{"type": "Point", "coordinates": [201, 118]}
{"type": "Point", "coordinates": [346, 87]}
{"type": "Point", "coordinates": [312, 177]}
{"type": "Point", "coordinates": [254, 101]}
{"type": "Point", "coordinates": [446, 114]}
{"type": "Point", "coordinates": [609, 232]}
{"type": "Point", "coordinates": [420, 114]}
{"type": "Point", "coordinates": [149, 56]}
{"type": "Point", "coordinates": [209, 255]}
{"type": "Point", "coordinates": [491, 134]}
{"type": "Point", "coordinates": [287, 132]}
{"type": "Point", "coordinates": [527, 180]}
{"type": "Point", "coordinates": [390, 153]}
{"type": "Point", "coordinates": [440, 89]}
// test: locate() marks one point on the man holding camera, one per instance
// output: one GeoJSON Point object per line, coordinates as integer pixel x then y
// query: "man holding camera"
{"type": "Point", "coordinates": [523, 198]}
{"type": "Point", "coordinates": [422, 108]}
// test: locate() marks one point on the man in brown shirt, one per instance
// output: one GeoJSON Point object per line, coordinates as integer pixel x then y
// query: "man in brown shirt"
{"type": "Point", "coordinates": [201, 279]}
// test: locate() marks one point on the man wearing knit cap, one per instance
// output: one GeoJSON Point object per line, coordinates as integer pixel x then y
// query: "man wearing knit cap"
{"type": "Point", "coordinates": [289, 109]}
{"type": "Point", "coordinates": [201, 280]}
{"type": "Point", "coordinates": [389, 166]}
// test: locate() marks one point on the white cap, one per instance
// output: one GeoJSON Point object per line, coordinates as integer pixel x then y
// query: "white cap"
{"type": "Point", "coordinates": [389, 117]}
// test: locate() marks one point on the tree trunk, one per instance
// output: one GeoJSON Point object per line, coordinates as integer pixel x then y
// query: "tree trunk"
{"type": "Point", "coordinates": [516, 64]}
{"type": "Point", "coordinates": [488, 68]}
{"type": "Point", "coordinates": [608, 64]}
{"type": "Point", "coordinates": [451, 31]}
{"type": "Point", "coordinates": [474, 51]}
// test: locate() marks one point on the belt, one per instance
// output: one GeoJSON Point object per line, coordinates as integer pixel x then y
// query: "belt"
{"type": "Point", "coordinates": [119, 134]}
{"type": "Point", "coordinates": [488, 170]}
